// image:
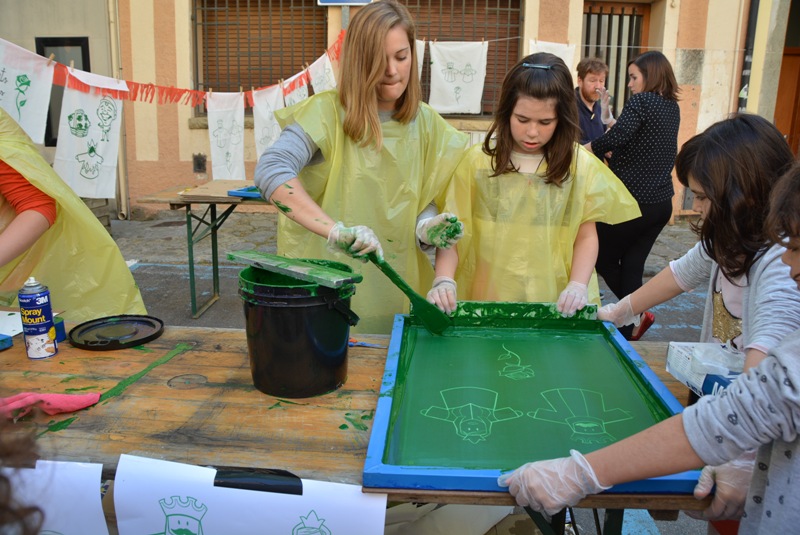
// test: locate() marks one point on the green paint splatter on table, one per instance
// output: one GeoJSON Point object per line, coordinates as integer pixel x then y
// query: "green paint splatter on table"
{"type": "Point", "coordinates": [125, 383]}
{"type": "Point", "coordinates": [57, 426]}
{"type": "Point", "coordinates": [354, 422]}
{"type": "Point", "coordinates": [71, 390]}
{"type": "Point", "coordinates": [344, 426]}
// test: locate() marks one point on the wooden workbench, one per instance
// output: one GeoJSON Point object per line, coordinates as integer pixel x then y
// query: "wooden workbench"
{"type": "Point", "coordinates": [188, 397]}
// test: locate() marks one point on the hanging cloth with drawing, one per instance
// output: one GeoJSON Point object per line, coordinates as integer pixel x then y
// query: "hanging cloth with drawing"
{"type": "Point", "coordinates": [226, 134]}
{"type": "Point", "coordinates": [420, 49]}
{"type": "Point", "coordinates": [265, 126]}
{"type": "Point", "coordinates": [295, 89]}
{"type": "Point", "coordinates": [563, 51]}
{"type": "Point", "coordinates": [88, 139]}
{"type": "Point", "coordinates": [25, 83]}
{"type": "Point", "coordinates": [321, 73]}
{"type": "Point", "coordinates": [458, 71]}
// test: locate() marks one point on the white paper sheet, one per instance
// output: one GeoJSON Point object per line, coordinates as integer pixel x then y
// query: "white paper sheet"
{"type": "Point", "coordinates": [10, 323]}
{"type": "Point", "coordinates": [266, 128]}
{"type": "Point", "coordinates": [458, 72]}
{"type": "Point", "coordinates": [153, 496]}
{"type": "Point", "coordinates": [226, 135]}
{"type": "Point", "coordinates": [68, 493]}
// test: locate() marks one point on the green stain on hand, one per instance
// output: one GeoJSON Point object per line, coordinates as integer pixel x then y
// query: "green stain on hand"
{"type": "Point", "coordinates": [125, 383]}
{"type": "Point", "coordinates": [282, 207]}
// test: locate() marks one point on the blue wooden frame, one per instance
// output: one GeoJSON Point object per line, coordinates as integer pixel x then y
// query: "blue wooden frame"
{"type": "Point", "coordinates": [377, 474]}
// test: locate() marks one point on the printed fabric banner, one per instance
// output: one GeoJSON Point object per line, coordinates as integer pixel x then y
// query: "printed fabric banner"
{"type": "Point", "coordinates": [88, 143]}
{"type": "Point", "coordinates": [295, 88]}
{"type": "Point", "coordinates": [420, 49]}
{"type": "Point", "coordinates": [321, 72]}
{"type": "Point", "coordinates": [266, 127]}
{"type": "Point", "coordinates": [565, 52]}
{"type": "Point", "coordinates": [458, 71]}
{"type": "Point", "coordinates": [226, 133]}
{"type": "Point", "coordinates": [25, 83]}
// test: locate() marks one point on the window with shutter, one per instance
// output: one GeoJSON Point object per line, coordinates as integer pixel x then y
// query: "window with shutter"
{"type": "Point", "coordinates": [615, 33]}
{"type": "Point", "coordinates": [242, 44]}
{"type": "Point", "coordinates": [497, 21]}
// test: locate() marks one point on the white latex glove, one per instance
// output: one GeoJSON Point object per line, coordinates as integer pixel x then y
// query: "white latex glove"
{"type": "Point", "coordinates": [442, 231]}
{"type": "Point", "coordinates": [606, 114]}
{"type": "Point", "coordinates": [573, 298]}
{"type": "Point", "coordinates": [620, 314]}
{"type": "Point", "coordinates": [550, 486]}
{"type": "Point", "coordinates": [443, 294]}
{"type": "Point", "coordinates": [732, 480]}
{"type": "Point", "coordinates": [357, 241]}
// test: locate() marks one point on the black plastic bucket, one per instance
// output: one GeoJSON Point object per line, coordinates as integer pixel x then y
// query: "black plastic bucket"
{"type": "Point", "coordinates": [297, 332]}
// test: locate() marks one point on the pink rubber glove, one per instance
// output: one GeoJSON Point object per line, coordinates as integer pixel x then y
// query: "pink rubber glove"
{"type": "Point", "coordinates": [357, 241]}
{"type": "Point", "coordinates": [552, 485]}
{"type": "Point", "coordinates": [49, 403]}
{"type": "Point", "coordinates": [620, 314]}
{"type": "Point", "coordinates": [443, 294]}
{"type": "Point", "coordinates": [442, 231]}
{"type": "Point", "coordinates": [574, 297]}
{"type": "Point", "coordinates": [732, 480]}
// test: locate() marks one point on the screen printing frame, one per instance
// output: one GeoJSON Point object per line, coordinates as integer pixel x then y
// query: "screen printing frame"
{"type": "Point", "coordinates": [380, 474]}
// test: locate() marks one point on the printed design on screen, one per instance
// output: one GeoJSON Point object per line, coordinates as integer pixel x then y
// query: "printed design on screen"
{"type": "Point", "coordinates": [472, 411]}
{"type": "Point", "coordinates": [515, 369]}
{"type": "Point", "coordinates": [183, 516]}
{"type": "Point", "coordinates": [583, 411]}
{"type": "Point", "coordinates": [311, 524]}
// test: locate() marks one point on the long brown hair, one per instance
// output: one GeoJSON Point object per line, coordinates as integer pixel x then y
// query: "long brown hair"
{"type": "Point", "coordinates": [783, 219]}
{"type": "Point", "coordinates": [736, 162]}
{"type": "Point", "coordinates": [17, 449]}
{"type": "Point", "coordinates": [364, 65]}
{"type": "Point", "coordinates": [657, 73]}
{"type": "Point", "coordinates": [541, 76]}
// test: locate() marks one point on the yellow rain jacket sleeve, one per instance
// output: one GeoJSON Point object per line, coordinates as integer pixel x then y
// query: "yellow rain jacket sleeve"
{"type": "Point", "coordinates": [76, 257]}
{"type": "Point", "coordinates": [383, 189]}
{"type": "Point", "coordinates": [519, 231]}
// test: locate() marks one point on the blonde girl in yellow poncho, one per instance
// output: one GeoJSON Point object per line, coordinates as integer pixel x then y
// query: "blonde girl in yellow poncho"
{"type": "Point", "coordinates": [529, 198]}
{"type": "Point", "coordinates": [357, 165]}
{"type": "Point", "coordinates": [75, 257]}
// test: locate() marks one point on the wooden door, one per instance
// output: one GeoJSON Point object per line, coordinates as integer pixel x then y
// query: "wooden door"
{"type": "Point", "coordinates": [787, 105]}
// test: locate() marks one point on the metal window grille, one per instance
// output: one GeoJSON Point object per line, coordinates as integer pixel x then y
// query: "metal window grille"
{"type": "Point", "coordinates": [615, 33]}
{"type": "Point", "coordinates": [244, 44]}
{"type": "Point", "coordinates": [496, 21]}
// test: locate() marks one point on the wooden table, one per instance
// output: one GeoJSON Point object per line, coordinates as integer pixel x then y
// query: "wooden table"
{"type": "Point", "coordinates": [199, 227]}
{"type": "Point", "coordinates": [188, 397]}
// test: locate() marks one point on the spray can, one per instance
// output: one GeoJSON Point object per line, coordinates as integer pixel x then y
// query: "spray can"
{"type": "Point", "coordinates": [37, 320]}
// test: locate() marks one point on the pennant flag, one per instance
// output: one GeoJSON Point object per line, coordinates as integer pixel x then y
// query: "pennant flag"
{"type": "Point", "coordinates": [88, 143]}
{"type": "Point", "coordinates": [321, 72]}
{"type": "Point", "coordinates": [226, 133]}
{"type": "Point", "coordinates": [266, 127]}
{"type": "Point", "coordinates": [565, 52]}
{"type": "Point", "coordinates": [25, 83]}
{"type": "Point", "coordinates": [295, 88]}
{"type": "Point", "coordinates": [420, 49]}
{"type": "Point", "coordinates": [458, 71]}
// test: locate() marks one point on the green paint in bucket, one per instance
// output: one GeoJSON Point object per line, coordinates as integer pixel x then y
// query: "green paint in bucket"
{"type": "Point", "coordinates": [297, 332]}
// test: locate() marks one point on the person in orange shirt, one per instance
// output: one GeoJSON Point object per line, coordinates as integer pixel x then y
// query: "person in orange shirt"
{"type": "Point", "coordinates": [47, 232]}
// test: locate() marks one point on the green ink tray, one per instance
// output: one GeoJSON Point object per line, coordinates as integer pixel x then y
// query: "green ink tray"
{"type": "Point", "coordinates": [509, 383]}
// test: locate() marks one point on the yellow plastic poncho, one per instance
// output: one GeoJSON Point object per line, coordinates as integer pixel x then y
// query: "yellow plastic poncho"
{"type": "Point", "coordinates": [385, 190]}
{"type": "Point", "coordinates": [76, 257]}
{"type": "Point", "coordinates": [519, 231]}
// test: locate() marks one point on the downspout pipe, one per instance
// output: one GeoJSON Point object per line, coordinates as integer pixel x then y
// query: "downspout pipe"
{"type": "Point", "coordinates": [749, 41]}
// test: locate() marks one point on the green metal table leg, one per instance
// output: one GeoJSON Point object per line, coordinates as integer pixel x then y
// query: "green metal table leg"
{"type": "Point", "coordinates": [207, 224]}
